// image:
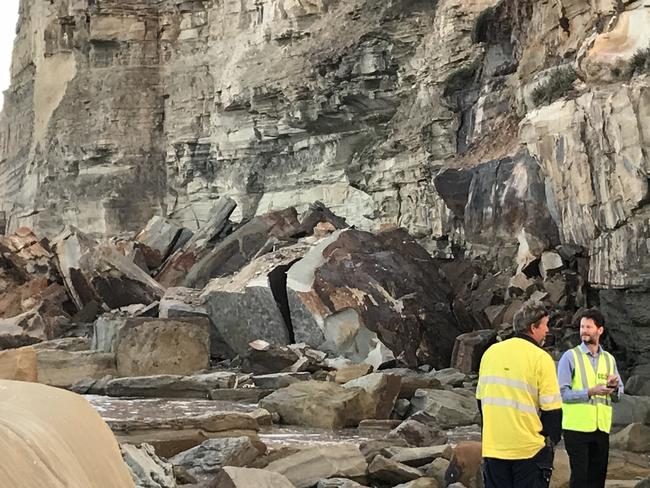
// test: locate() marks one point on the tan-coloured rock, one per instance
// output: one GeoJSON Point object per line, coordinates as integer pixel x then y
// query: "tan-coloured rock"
{"type": "Point", "coordinates": [306, 467]}
{"type": "Point", "coordinates": [351, 372]}
{"type": "Point", "coordinates": [69, 434]}
{"type": "Point", "coordinates": [65, 368]}
{"type": "Point", "coordinates": [19, 364]}
{"type": "Point", "coordinates": [231, 477]}
{"type": "Point", "coordinates": [149, 346]}
{"type": "Point", "coordinates": [318, 404]}
{"type": "Point", "coordinates": [382, 390]}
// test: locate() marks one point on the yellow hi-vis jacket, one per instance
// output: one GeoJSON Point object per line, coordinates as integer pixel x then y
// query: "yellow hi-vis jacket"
{"type": "Point", "coordinates": [517, 378]}
{"type": "Point", "coordinates": [596, 414]}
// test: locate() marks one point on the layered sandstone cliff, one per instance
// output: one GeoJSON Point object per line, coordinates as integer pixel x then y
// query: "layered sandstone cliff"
{"type": "Point", "coordinates": [410, 112]}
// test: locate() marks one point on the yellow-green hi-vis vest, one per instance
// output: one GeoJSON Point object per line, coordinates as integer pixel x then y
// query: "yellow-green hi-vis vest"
{"type": "Point", "coordinates": [596, 413]}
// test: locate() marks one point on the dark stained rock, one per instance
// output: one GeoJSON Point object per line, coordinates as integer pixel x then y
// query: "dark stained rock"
{"type": "Point", "coordinates": [204, 461]}
{"type": "Point", "coordinates": [469, 348]}
{"type": "Point", "coordinates": [627, 317]}
{"type": "Point", "coordinates": [355, 287]}
{"type": "Point", "coordinates": [453, 186]}
{"type": "Point", "coordinates": [266, 358]}
{"type": "Point", "coordinates": [101, 273]}
{"type": "Point", "coordinates": [198, 246]}
{"type": "Point", "coordinates": [240, 247]}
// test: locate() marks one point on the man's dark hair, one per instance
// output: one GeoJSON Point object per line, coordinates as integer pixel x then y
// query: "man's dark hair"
{"type": "Point", "coordinates": [529, 315]}
{"type": "Point", "coordinates": [593, 314]}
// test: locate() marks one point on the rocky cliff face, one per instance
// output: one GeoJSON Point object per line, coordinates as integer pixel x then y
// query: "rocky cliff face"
{"type": "Point", "coordinates": [448, 118]}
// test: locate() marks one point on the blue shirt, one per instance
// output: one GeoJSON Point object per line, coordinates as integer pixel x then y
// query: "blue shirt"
{"type": "Point", "coordinates": [565, 369]}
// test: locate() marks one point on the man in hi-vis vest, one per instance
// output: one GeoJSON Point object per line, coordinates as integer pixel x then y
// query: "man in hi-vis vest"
{"type": "Point", "coordinates": [589, 382]}
{"type": "Point", "coordinates": [519, 399]}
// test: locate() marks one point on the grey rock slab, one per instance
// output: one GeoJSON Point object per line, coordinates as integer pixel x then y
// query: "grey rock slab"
{"type": "Point", "coordinates": [204, 461]}
{"type": "Point", "coordinates": [147, 469]}
{"type": "Point", "coordinates": [446, 408]}
{"type": "Point", "coordinates": [170, 386]}
{"type": "Point", "coordinates": [275, 381]}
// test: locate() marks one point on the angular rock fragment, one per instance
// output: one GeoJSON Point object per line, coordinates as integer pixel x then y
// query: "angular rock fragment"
{"type": "Point", "coordinates": [204, 461]}
{"type": "Point", "coordinates": [149, 346]}
{"type": "Point", "coordinates": [318, 404]}
{"type": "Point", "coordinates": [355, 290]}
{"type": "Point", "coordinates": [251, 304]}
{"type": "Point", "coordinates": [198, 246]}
{"type": "Point", "coordinates": [100, 273]}
{"type": "Point", "coordinates": [147, 469]}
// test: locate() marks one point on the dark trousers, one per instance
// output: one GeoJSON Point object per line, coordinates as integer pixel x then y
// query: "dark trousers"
{"type": "Point", "coordinates": [588, 457]}
{"type": "Point", "coordinates": [522, 473]}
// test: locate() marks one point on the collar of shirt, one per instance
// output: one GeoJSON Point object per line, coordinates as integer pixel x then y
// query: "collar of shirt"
{"type": "Point", "coordinates": [527, 338]}
{"type": "Point", "coordinates": [585, 349]}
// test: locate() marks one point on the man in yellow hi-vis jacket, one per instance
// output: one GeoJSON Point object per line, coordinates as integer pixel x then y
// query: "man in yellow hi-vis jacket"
{"type": "Point", "coordinates": [520, 401]}
{"type": "Point", "coordinates": [589, 382]}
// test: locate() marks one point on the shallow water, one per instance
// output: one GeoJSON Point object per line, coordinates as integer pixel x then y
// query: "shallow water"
{"type": "Point", "coordinates": [138, 409]}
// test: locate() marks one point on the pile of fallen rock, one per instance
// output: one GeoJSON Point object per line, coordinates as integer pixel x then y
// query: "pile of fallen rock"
{"type": "Point", "coordinates": [303, 320]}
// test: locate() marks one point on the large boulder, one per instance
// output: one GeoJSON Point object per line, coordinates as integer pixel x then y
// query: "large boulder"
{"type": "Point", "coordinates": [52, 437]}
{"type": "Point", "coordinates": [631, 409]}
{"type": "Point", "coordinates": [469, 349]}
{"type": "Point", "coordinates": [160, 235]}
{"type": "Point", "coordinates": [635, 438]}
{"type": "Point", "coordinates": [251, 304]}
{"type": "Point", "coordinates": [178, 302]}
{"type": "Point", "coordinates": [100, 273]}
{"type": "Point", "coordinates": [446, 408]}
{"type": "Point", "coordinates": [318, 404]}
{"type": "Point", "coordinates": [628, 319]}
{"type": "Point", "coordinates": [306, 467]}
{"type": "Point", "coordinates": [355, 290]}
{"type": "Point", "coordinates": [240, 247]}
{"type": "Point", "coordinates": [198, 245]}
{"type": "Point", "coordinates": [150, 346]}
{"type": "Point", "coordinates": [382, 391]}
{"type": "Point", "coordinates": [204, 461]}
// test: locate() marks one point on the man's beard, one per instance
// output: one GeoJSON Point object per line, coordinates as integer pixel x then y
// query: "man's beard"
{"type": "Point", "coordinates": [589, 340]}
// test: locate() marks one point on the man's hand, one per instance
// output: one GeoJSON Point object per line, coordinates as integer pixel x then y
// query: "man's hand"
{"type": "Point", "coordinates": [612, 381]}
{"type": "Point", "coordinates": [600, 390]}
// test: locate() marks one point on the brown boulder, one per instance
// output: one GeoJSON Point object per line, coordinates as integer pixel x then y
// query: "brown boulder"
{"type": "Point", "coordinates": [356, 290]}
{"type": "Point", "coordinates": [150, 346]}
{"type": "Point", "coordinates": [318, 404]}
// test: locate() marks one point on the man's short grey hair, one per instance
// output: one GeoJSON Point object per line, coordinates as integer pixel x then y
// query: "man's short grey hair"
{"type": "Point", "coordinates": [528, 315]}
